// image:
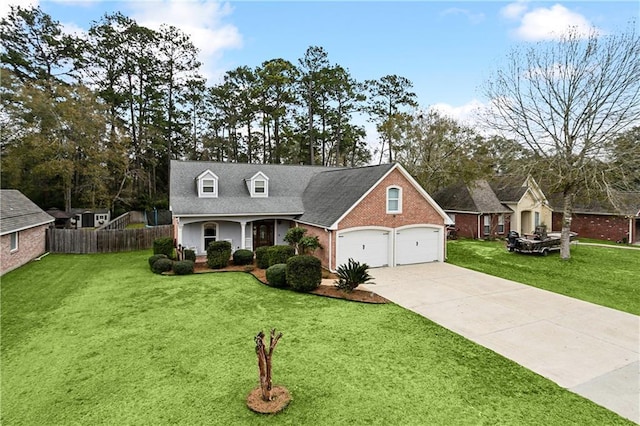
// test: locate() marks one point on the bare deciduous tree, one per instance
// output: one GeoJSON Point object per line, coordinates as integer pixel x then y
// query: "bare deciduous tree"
{"type": "Point", "coordinates": [566, 100]}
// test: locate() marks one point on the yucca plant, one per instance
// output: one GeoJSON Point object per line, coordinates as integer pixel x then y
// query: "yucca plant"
{"type": "Point", "coordinates": [351, 275]}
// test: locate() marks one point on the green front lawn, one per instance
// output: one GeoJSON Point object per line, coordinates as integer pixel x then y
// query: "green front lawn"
{"type": "Point", "coordinates": [606, 276]}
{"type": "Point", "coordinates": [98, 339]}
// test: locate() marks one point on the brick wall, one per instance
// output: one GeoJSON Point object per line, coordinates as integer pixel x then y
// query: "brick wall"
{"type": "Point", "coordinates": [372, 211]}
{"type": "Point", "coordinates": [31, 244]}
{"type": "Point", "coordinates": [323, 237]}
{"type": "Point", "coordinates": [466, 225]}
{"type": "Point", "coordinates": [601, 227]}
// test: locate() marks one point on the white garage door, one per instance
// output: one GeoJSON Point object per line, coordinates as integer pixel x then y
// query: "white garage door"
{"type": "Point", "coordinates": [365, 246]}
{"type": "Point", "coordinates": [417, 245]}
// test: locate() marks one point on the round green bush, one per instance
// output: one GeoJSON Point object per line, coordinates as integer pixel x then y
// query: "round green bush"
{"type": "Point", "coordinates": [163, 245]}
{"type": "Point", "coordinates": [155, 257]}
{"type": "Point", "coordinates": [304, 273]}
{"type": "Point", "coordinates": [277, 275]}
{"type": "Point", "coordinates": [162, 265]}
{"type": "Point", "coordinates": [262, 257]}
{"type": "Point", "coordinates": [242, 257]}
{"type": "Point", "coordinates": [280, 254]}
{"type": "Point", "coordinates": [183, 267]}
{"type": "Point", "coordinates": [189, 255]}
{"type": "Point", "coordinates": [218, 254]}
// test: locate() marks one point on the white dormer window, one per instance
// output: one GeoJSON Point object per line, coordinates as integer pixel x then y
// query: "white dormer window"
{"type": "Point", "coordinates": [394, 200]}
{"type": "Point", "coordinates": [259, 185]}
{"type": "Point", "coordinates": [207, 185]}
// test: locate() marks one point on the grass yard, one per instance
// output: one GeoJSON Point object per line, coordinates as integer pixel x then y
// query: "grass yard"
{"type": "Point", "coordinates": [605, 276]}
{"type": "Point", "coordinates": [99, 339]}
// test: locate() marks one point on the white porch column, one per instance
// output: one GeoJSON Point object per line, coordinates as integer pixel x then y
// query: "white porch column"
{"type": "Point", "coordinates": [179, 236]}
{"type": "Point", "coordinates": [243, 231]}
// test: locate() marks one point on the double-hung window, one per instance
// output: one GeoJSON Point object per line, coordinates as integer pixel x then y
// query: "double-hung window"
{"type": "Point", "coordinates": [394, 200]}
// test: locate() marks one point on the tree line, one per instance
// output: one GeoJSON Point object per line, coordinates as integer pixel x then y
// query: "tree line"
{"type": "Point", "coordinates": [93, 120]}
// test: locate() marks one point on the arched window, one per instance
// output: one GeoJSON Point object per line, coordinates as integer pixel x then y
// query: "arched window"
{"type": "Point", "coordinates": [394, 200]}
{"type": "Point", "coordinates": [210, 233]}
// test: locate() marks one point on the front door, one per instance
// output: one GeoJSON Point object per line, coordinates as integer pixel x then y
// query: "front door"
{"type": "Point", "coordinates": [262, 233]}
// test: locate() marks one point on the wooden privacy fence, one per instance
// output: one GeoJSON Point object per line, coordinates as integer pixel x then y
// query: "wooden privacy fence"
{"type": "Point", "coordinates": [104, 241]}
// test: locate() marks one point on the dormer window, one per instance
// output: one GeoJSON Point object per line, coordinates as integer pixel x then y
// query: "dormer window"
{"type": "Point", "coordinates": [258, 185]}
{"type": "Point", "coordinates": [207, 185]}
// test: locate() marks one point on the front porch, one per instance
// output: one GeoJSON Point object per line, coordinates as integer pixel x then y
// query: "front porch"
{"type": "Point", "coordinates": [242, 233]}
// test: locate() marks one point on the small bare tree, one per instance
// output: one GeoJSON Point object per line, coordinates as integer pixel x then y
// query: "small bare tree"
{"type": "Point", "coordinates": [566, 101]}
{"type": "Point", "coordinates": [264, 361]}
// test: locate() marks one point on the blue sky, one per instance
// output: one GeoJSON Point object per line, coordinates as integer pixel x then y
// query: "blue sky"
{"type": "Point", "coordinates": [447, 49]}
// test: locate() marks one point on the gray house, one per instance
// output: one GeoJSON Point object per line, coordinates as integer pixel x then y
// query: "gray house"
{"type": "Point", "coordinates": [374, 214]}
{"type": "Point", "coordinates": [22, 229]}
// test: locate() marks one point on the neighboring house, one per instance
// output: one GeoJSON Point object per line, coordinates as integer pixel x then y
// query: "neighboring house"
{"type": "Point", "coordinates": [475, 210]}
{"type": "Point", "coordinates": [489, 209]}
{"type": "Point", "coordinates": [22, 230]}
{"type": "Point", "coordinates": [377, 214]}
{"type": "Point", "coordinates": [527, 201]}
{"type": "Point", "coordinates": [89, 218]}
{"type": "Point", "coordinates": [616, 220]}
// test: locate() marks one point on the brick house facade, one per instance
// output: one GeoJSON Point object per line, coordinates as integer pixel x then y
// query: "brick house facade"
{"type": "Point", "coordinates": [23, 228]}
{"type": "Point", "coordinates": [356, 212]}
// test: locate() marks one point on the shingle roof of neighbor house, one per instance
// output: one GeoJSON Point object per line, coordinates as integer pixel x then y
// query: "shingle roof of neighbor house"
{"type": "Point", "coordinates": [508, 189]}
{"type": "Point", "coordinates": [317, 195]}
{"type": "Point", "coordinates": [623, 203]}
{"type": "Point", "coordinates": [476, 197]}
{"type": "Point", "coordinates": [17, 212]}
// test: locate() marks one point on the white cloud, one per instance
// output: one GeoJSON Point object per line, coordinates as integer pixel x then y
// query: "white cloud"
{"type": "Point", "coordinates": [551, 23]}
{"type": "Point", "coordinates": [201, 20]}
{"type": "Point", "coordinates": [465, 114]}
{"type": "Point", "coordinates": [514, 10]}
{"type": "Point", "coordinates": [474, 18]}
{"type": "Point", "coordinates": [5, 6]}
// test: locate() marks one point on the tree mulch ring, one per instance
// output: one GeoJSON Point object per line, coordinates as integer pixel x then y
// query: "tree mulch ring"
{"type": "Point", "coordinates": [280, 398]}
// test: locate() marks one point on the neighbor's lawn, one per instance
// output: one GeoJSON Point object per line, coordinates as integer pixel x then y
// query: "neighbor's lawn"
{"type": "Point", "coordinates": [98, 339]}
{"type": "Point", "coordinates": [606, 276]}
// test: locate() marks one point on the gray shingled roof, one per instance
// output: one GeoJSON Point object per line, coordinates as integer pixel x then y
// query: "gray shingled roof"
{"type": "Point", "coordinates": [315, 195]}
{"type": "Point", "coordinates": [17, 212]}
{"type": "Point", "coordinates": [476, 197]}
{"type": "Point", "coordinates": [624, 203]}
{"type": "Point", "coordinates": [508, 189]}
{"type": "Point", "coordinates": [331, 193]}
{"type": "Point", "coordinates": [286, 186]}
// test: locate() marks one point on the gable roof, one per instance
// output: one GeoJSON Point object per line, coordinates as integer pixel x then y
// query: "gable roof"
{"type": "Point", "coordinates": [507, 189]}
{"type": "Point", "coordinates": [286, 186]}
{"type": "Point", "coordinates": [332, 193]}
{"type": "Point", "coordinates": [476, 197]}
{"type": "Point", "coordinates": [17, 212]}
{"type": "Point", "coordinates": [312, 194]}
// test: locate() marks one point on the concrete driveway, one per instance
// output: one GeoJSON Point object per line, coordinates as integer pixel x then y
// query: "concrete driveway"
{"type": "Point", "coordinates": [588, 349]}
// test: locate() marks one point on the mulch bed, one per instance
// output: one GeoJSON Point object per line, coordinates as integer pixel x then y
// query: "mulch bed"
{"type": "Point", "coordinates": [280, 398]}
{"type": "Point", "coordinates": [326, 289]}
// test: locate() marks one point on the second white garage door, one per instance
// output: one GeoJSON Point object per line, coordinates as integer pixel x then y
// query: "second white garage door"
{"type": "Point", "coordinates": [370, 246]}
{"type": "Point", "coordinates": [417, 245]}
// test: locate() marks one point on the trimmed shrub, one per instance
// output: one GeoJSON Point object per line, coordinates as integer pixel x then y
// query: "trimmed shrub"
{"type": "Point", "coordinates": [218, 254]}
{"type": "Point", "coordinates": [280, 254]}
{"type": "Point", "coordinates": [304, 272]}
{"type": "Point", "coordinates": [164, 246]}
{"type": "Point", "coordinates": [309, 244]}
{"type": "Point", "coordinates": [262, 257]}
{"type": "Point", "coordinates": [183, 267]}
{"type": "Point", "coordinates": [155, 257]}
{"type": "Point", "coordinates": [242, 257]}
{"type": "Point", "coordinates": [162, 265]}
{"type": "Point", "coordinates": [277, 275]}
{"type": "Point", "coordinates": [189, 255]}
{"type": "Point", "coordinates": [351, 275]}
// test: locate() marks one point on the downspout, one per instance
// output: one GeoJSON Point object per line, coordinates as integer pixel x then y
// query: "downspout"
{"type": "Point", "coordinates": [330, 248]}
{"type": "Point", "coordinates": [631, 239]}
